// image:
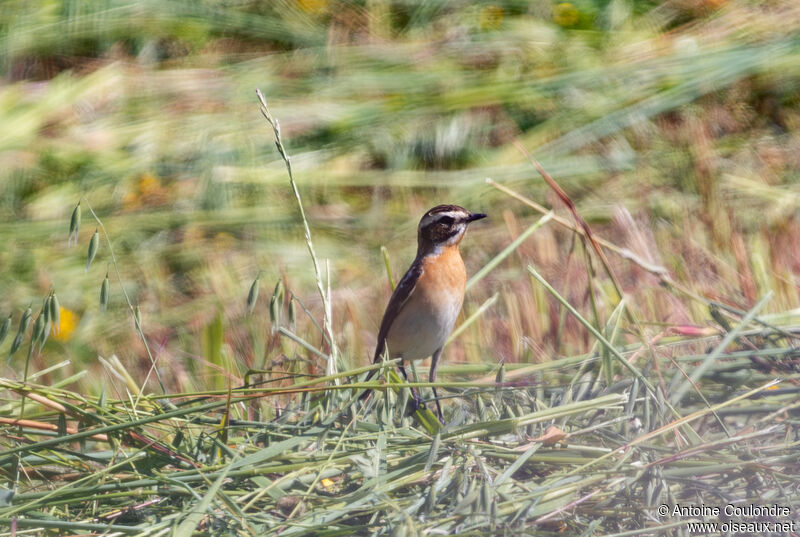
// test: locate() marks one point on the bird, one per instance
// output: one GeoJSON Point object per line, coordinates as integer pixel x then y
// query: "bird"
{"type": "Point", "coordinates": [425, 304]}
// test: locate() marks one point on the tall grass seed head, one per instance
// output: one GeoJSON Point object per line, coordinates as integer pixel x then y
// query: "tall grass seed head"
{"type": "Point", "coordinates": [501, 374]}
{"type": "Point", "coordinates": [4, 329]}
{"type": "Point", "coordinates": [279, 291]}
{"type": "Point", "coordinates": [104, 293]}
{"type": "Point", "coordinates": [16, 344]}
{"type": "Point", "coordinates": [274, 311]}
{"type": "Point", "coordinates": [46, 307]}
{"type": "Point", "coordinates": [292, 313]}
{"type": "Point", "coordinates": [55, 313]}
{"type": "Point", "coordinates": [276, 302]}
{"type": "Point", "coordinates": [94, 244]}
{"type": "Point", "coordinates": [47, 325]}
{"type": "Point", "coordinates": [75, 222]}
{"type": "Point", "coordinates": [38, 327]}
{"type": "Point", "coordinates": [25, 321]}
{"type": "Point", "coordinates": [252, 296]}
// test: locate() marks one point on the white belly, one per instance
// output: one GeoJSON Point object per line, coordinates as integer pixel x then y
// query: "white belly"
{"type": "Point", "coordinates": [418, 332]}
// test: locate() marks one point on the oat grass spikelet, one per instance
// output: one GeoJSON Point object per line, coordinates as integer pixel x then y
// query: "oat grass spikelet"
{"type": "Point", "coordinates": [94, 244]}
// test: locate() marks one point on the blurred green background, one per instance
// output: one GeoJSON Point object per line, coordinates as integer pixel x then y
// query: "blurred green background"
{"type": "Point", "coordinates": [672, 125]}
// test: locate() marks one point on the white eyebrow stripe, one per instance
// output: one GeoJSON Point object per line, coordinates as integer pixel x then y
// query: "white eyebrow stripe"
{"type": "Point", "coordinates": [431, 218]}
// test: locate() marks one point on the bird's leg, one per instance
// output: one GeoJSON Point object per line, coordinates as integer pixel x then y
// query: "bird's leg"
{"type": "Point", "coordinates": [414, 393]}
{"type": "Point", "coordinates": [432, 378]}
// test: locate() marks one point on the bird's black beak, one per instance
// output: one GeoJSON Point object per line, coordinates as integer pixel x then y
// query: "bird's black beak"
{"type": "Point", "coordinates": [475, 216]}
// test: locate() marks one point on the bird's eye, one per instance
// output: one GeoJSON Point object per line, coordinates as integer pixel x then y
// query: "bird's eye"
{"type": "Point", "coordinates": [446, 220]}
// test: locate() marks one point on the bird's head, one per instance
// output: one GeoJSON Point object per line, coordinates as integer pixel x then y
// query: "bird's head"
{"type": "Point", "coordinates": [445, 225]}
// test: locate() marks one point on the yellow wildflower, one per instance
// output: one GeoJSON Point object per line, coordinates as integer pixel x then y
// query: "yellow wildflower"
{"type": "Point", "coordinates": [312, 6]}
{"type": "Point", "coordinates": [565, 14]}
{"type": "Point", "coordinates": [69, 320]}
{"type": "Point", "coordinates": [491, 17]}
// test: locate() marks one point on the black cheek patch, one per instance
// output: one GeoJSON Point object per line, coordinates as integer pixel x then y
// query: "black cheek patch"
{"type": "Point", "coordinates": [450, 232]}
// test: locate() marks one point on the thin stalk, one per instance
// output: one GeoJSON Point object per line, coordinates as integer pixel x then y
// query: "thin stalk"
{"type": "Point", "coordinates": [326, 306]}
{"type": "Point", "coordinates": [633, 369]}
{"type": "Point", "coordinates": [698, 371]}
{"type": "Point", "coordinates": [22, 410]}
{"type": "Point", "coordinates": [660, 272]}
{"type": "Point", "coordinates": [472, 318]}
{"type": "Point", "coordinates": [674, 425]}
{"type": "Point", "coordinates": [508, 250]}
{"type": "Point", "coordinates": [131, 307]}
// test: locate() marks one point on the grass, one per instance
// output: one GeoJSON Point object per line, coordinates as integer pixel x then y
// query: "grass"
{"type": "Point", "coordinates": [590, 380]}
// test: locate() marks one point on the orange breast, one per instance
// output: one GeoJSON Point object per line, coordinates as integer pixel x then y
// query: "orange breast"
{"type": "Point", "coordinates": [427, 318]}
{"type": "Point", "coordinates": [444, 272]}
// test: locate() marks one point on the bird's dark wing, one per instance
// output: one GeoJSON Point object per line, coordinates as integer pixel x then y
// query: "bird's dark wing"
{"type": "Point", "coordinates": [399, 298]}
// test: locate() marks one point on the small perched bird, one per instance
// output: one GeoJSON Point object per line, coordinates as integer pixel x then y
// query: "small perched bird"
{"type": "Point", "coordinates": [424, 306]}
